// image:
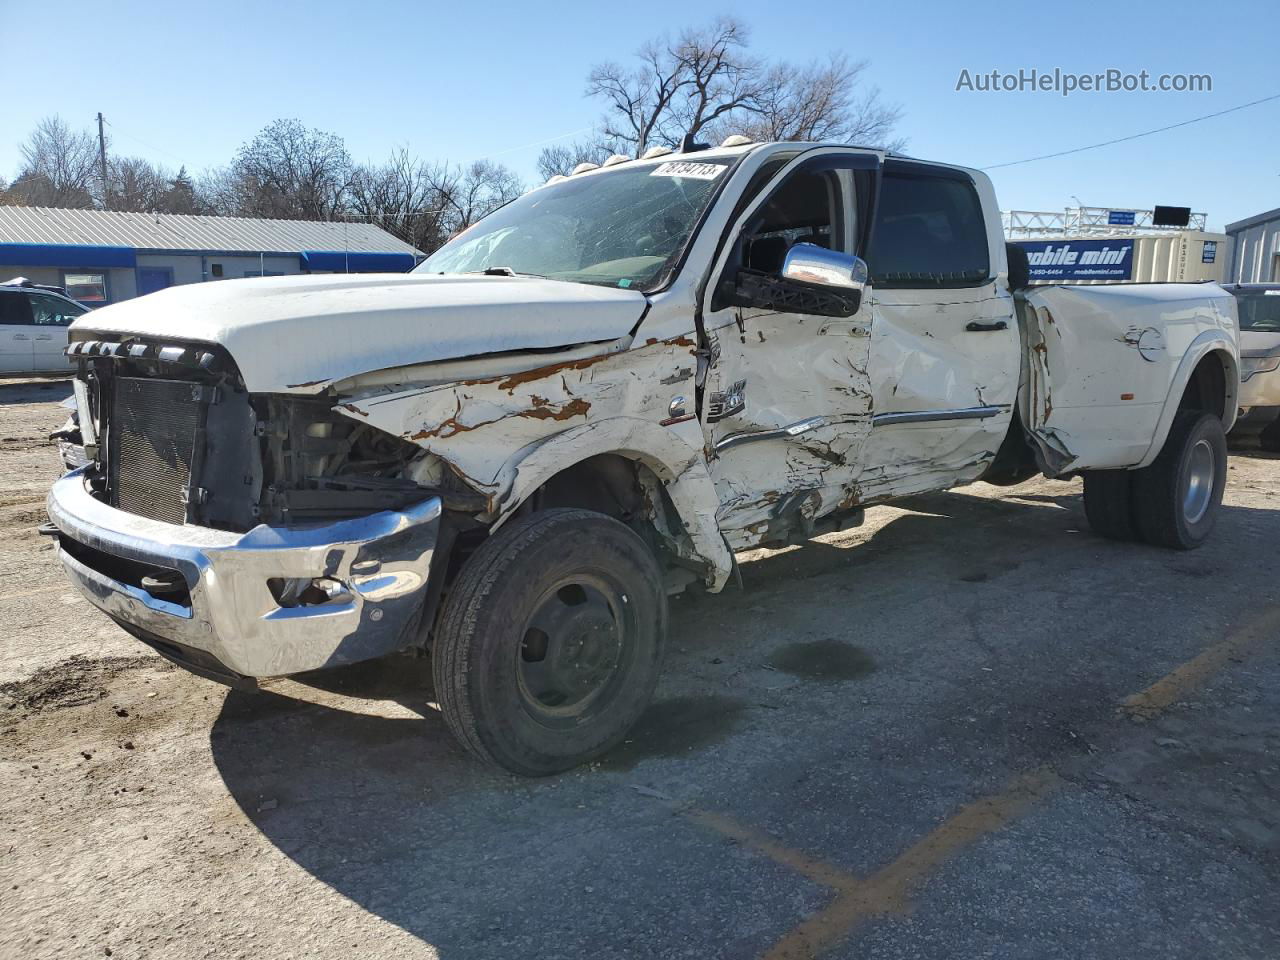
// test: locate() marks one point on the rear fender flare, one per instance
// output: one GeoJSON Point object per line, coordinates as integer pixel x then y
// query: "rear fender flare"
{"type": "Point", "coordinates": [1210, 341]}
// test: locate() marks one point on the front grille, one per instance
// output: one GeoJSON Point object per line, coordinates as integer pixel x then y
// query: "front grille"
{"type": "Point", "coordinates": [156, 430]}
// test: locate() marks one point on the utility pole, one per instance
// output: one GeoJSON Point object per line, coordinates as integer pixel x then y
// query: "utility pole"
{"type": "Point", "coordinates": [102, 159]}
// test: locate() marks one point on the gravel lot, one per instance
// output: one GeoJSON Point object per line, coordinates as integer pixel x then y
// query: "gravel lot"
{"type": "Point", "coordinates": [967, 729]}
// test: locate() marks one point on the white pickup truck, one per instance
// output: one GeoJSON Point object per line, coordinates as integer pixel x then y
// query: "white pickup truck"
{"type": "Point", "coordinates": [593, 398]}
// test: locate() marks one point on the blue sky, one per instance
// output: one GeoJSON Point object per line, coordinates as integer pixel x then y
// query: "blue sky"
{"type": "Point", "coordinates": [187, 83]}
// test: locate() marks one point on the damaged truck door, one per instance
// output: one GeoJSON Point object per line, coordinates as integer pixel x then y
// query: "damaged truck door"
{"type": "Point", "coordinates": [789, 398]}
{"type": "Point", "coordinates": [507, 459]}
{"type": "Point", "coordinates": [944, 347]}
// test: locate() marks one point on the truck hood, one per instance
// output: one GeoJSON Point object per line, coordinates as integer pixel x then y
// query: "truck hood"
{"type": "Point", "coordinates": [296, 334]}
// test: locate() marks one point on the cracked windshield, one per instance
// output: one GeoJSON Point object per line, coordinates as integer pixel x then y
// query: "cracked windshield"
{"type": "Point", "coordinates": [623, 228]}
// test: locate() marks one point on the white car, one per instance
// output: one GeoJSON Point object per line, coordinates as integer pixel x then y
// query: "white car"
{"type": "Point", "coordinates": [33, 328]}
{"type": "Point", "coordinates": [1259, 308]}
{"type": "Point", "coordinates": [595, 396]}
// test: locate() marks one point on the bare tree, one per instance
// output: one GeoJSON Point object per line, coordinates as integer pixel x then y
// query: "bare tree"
{"type": "Point", "coordinates": [218, 192]}
{"type": "Point", "coordinates": [181, 197]}
{"type": "Point", "coordinates": [426, 204]}
{"type": "Point", "coordinates": [59, 167]}
{"type": "Point", "coordinates": [637, 101]}
{"type": "Point", "coordinates": [135, 184]}
{"type": "Point", "coordinates": [820, 101]}
{"type": "Point", "coordinates": [705, 82]}
{"type": "Point", "coordinates": [401, 197]}
{"type": "Point", "coordinates": [285, 172]}
{"type": "Point", "coordinates": [561, 159]}
{"type": "Point", "coordinates": [720, 78]}
{"type": "Point", "coordinates": [469, 193]}
{"type": "Point", "coordinates": [679, 86]}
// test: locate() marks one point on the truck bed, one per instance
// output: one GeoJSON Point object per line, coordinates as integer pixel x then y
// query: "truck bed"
{"type": "Point", "coordinates": [1102, 360]}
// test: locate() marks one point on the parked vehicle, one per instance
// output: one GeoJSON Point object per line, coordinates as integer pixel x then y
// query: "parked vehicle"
{"type": "Point", "coordinates": [1259, 309]}
{"type": "Point", "coordinates": [34, 320]}
{"type": "Point", "coordinates": [593, 398]}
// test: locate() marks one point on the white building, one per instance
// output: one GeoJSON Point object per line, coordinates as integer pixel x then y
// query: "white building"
{"type": "Point", "coordinates": [1257, 249]}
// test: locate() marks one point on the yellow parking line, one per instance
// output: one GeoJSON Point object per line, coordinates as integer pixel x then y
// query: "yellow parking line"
{"type": "Point", "coordinates": [1169, 689]}
{"type": "Point", "coordinates": [888, 890]}
{"type": "Point", "coordinates": [801, 863]}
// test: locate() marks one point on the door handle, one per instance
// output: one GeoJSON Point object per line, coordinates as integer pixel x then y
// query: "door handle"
{"type": "Point", "coordinates": [21, 336]}
{"type": "Point", "coordinates": [44, 336]}
{"type": "Point", "coordinates": [974, 326]}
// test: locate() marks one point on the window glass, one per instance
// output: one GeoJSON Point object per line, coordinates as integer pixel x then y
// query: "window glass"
{"type": "Point", "coordinates": [86, 287]}
{"type": "Point", "coordinates": [52, 311]}
{"type": "Point", "coordinates": [619, 228]}
{"type": "Point", "coordinates": [803, 210]}
{"type": "Point", "coordinates": [14, 309]}
{"type": "Point", "coordinates": [1260, 311]}
{"type": "Point", "coordinates": [929, 233]}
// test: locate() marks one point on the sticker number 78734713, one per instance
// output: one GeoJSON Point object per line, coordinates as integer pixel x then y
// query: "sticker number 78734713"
{"type": "Point", "coordinates": [694, 170]}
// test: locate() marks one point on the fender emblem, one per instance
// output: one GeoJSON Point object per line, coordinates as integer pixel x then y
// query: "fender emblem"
{"type": "Point", "coordinates": [727, 402]}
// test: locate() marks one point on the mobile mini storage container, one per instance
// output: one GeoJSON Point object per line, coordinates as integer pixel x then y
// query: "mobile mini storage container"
{"type": "Point", "coordinates": [1184, 256]}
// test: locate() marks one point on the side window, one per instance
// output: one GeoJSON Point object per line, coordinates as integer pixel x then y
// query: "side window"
{"type": "Point", "coordinates": [1260, 311]}
{"type": "Point", "coordinates": [52, 312]}
{"type": "Point", "coordinates": [805, 209]}
{"type": "Point", "coordinates": [14, 309]}
{"type": "Point", "coordinates": [929, 232]}
{"type": "Point", "coordinates": [86, 287]}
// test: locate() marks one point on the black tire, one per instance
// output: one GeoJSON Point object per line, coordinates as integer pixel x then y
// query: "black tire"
{"type": "Point", "coordinates": [512, 692]}
{"type": "Point", "coordinates": [1168, 510]}
{"type": "Point", "coordinates": [1108, 503]}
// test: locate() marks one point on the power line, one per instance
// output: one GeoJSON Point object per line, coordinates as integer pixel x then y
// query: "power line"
{"type": "Point", "coordinates": [1135, 136]}
{"type": "Point", "coordinates": [538, 143]}
{"type": "Point", "coordinates": [149, 146]}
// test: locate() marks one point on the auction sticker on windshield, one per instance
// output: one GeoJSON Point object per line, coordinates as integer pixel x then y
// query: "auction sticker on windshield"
{"type": "Point", "coordinates": [687, 168]}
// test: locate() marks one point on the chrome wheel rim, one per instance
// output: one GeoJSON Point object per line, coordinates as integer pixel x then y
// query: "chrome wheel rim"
{"type": "Point", "coordinates": [1201, 468]}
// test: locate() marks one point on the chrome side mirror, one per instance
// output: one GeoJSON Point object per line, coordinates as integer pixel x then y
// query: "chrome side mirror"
{"type": "Point", "coordinates": [813, 280]}
{"type": "Point", "coordinates": [810, 263]}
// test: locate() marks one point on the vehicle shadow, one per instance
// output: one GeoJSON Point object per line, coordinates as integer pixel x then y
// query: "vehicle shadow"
{"type": "Point", "coordinates": [34, 391]}
{"type": "Point", "coordinates": [378, 802]}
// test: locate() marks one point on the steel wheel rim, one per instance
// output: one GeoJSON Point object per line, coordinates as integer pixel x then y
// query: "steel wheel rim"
{"type": "Point", "coordinates": [572, 651]}
{"type": "Point", "coordinates": [1201, 471]}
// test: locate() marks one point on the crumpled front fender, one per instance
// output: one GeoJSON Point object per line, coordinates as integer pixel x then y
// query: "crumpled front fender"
{"type": "Point", "coordinates": [504, 436]}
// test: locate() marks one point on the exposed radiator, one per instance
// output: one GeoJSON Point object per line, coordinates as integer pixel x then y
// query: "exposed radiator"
{"type": "Point", "coordinates": [156, 435]}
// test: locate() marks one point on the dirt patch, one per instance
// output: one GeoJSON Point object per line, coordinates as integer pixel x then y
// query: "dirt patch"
{"type": "Point", "coordinates": [21, 500]}
{"type": "Point", "coordinates": [71, 683]}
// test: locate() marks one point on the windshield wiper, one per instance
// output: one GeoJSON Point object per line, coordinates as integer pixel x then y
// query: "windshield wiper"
{"type": "Point", "coordinates": [504, 272]}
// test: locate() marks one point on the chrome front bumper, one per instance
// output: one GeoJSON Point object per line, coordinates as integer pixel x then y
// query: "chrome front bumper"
{"type": "Point", "coordinates": [227, 611]}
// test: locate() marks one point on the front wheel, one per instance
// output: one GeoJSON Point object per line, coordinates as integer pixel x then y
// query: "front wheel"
{"type": "Point", "coordinates": [550, 641]}
{"type": "Point", "coordinates": [1176, 499]}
